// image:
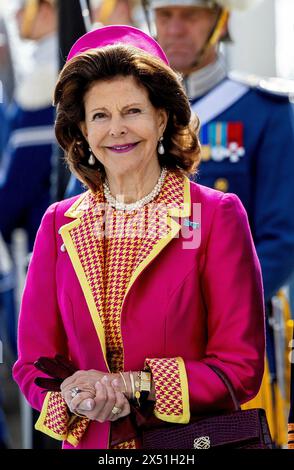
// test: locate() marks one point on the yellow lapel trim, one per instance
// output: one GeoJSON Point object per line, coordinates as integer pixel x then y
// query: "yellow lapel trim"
{"type": "Point", "coordinates": [186, 211]}
{"type": "Point", "coordinates": [175, 228]}
{"type": "Point", "coordinates": [73, 212]}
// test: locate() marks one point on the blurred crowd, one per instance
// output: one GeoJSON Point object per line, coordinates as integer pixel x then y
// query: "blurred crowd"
{"type": "Point", "coordinates": [32, 170]}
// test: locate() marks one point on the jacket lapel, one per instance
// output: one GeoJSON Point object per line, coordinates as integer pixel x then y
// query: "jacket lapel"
{"type": "Point", "coordinates": [176, 203]}
{"type": "Point", "coordinates": [84, 241]}
{"type": "Point", "coordinates": [83, 238]}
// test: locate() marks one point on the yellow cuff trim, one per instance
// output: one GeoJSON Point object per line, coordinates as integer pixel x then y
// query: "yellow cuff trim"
{"type": "Point", "coordinates": [184, 416]}
{"type": "Point", "coordinates": [40, 424]}
{"type": "Point", "coordinates": [74, 427]}
{"type": "Point", "coordinates": [185, 390]}
{"type": "Point", "coordinates": [72, 440]}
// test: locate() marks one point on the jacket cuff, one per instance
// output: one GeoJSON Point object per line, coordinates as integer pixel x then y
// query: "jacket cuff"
{"type": "Point", "coordinates": [56, 421]}
{"type": "Point", "coordinates": [76, 430]}
{"type": "Point", "coordinates": [54, 417]}
{"type": "Point", "coordinates": [171, 389]}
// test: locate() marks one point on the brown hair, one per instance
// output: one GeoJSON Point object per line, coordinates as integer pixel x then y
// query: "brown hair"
{"type": "Point", "coordinates": [165, 91]}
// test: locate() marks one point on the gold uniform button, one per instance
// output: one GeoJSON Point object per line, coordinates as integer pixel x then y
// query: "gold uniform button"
{"type": "Point", "coordinates": [205, 153]}
{"type": "Point", "coordinates": [221, 184]}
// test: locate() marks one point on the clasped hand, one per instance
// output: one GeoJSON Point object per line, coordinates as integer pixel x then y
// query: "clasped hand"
{"type": "Point", "coordinates": [101, 397]}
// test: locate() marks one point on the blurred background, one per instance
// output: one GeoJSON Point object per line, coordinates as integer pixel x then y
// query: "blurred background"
{"type": "Point", "coordinates": [32, 173]}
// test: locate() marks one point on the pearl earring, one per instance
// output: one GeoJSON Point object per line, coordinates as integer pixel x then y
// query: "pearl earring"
{"type": "Point", "coordinates": [91, 159]}
{"type": "Point", "coordinates": [161, 149]}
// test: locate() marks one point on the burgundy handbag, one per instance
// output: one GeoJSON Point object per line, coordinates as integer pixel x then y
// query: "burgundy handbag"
{"type": "Point", "coordinates": [239, 429]}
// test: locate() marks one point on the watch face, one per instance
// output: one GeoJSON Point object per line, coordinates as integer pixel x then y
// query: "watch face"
{"type": "Point", "coordinates": [145, 381]}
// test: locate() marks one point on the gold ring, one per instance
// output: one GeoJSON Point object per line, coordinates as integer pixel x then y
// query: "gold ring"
{"type": "Point", "coordinates": [116, 410]}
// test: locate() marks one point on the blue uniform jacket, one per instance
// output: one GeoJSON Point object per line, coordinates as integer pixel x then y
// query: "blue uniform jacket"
{"type": "Point", "coordinates": [263, 177]}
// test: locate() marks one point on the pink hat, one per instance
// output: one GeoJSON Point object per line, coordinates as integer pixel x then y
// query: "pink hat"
{"type": "Point", "coordinates": [117, 34]}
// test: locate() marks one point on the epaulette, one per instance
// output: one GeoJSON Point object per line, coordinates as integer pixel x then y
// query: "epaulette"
{"type": "Point", "coordinates": [271, 85]}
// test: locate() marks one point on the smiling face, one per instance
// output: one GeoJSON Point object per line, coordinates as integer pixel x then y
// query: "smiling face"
{"type": "Point", "coordinates": [121, 125]}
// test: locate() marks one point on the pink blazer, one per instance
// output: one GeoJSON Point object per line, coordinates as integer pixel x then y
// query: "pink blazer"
{"type": "Point", "coordinates": [203, 304]}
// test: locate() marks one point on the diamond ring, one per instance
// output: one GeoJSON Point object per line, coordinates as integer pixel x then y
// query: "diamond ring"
{"type": "Point", "coordinates": [74, 391]}
{"type": "Point", "coordinates": [116, 410]}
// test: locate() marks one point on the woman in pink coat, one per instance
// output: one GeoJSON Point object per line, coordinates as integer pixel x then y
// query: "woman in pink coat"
{"type": "Point", "coordinates": [146, 279]}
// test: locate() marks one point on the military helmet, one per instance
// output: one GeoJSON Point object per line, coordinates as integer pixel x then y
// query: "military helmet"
{"type": "Point", "coordinates": [227, 4]}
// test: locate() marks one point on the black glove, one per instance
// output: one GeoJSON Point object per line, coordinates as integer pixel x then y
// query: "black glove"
{"type": "Point", "coordinates": [59, 368]}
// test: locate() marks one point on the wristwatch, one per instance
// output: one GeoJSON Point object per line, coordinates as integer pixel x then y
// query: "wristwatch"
{"type": "Point", "coordinates": [142, 386]}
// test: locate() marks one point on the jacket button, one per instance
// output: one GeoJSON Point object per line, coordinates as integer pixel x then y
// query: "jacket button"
{"type": "Point", "coordinates": [63, 248]}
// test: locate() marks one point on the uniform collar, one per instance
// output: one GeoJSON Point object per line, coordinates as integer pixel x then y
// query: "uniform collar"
{"type": "Point", "coordinates": [200, 82]}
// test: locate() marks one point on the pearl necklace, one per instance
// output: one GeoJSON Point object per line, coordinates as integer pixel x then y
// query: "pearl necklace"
{"type": "Point", "coordinates": [138, 204]}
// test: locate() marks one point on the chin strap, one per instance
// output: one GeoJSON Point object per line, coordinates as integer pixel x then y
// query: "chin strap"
{"type": "Point", "coordinates": [221, 21]}
{"type": "Point", "coordinates": [30, 12]}
{"type": "Point", "coordinates": [213, 38]}
{"type": "Point", "coordinates": [29, 15]}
